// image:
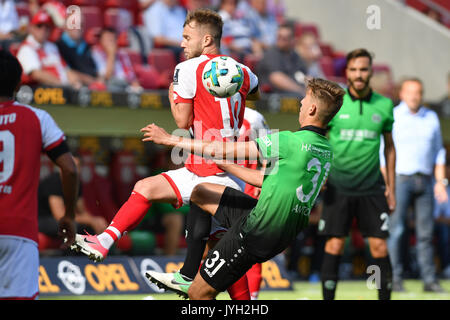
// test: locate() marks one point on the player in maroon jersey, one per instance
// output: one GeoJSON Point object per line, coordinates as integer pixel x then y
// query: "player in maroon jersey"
{"type": "Point", "coordinates": [24, 133]}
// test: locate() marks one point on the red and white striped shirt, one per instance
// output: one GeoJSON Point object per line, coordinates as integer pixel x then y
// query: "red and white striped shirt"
{"type": "Point", "coordinates": [35, 56]}
{"type": "Point", "coordinates": [214, 118]}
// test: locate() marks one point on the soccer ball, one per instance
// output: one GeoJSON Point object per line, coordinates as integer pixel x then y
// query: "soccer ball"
{"type": "Point", "coordinates": [222, 77]}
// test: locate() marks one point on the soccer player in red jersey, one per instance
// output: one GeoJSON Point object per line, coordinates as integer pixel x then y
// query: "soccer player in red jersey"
{"type": "Point", "coordinates": [24, 133]}
{"type": "Point", "coordinates": [192, 108]}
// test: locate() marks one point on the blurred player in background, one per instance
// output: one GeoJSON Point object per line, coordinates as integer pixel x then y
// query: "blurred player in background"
{"type": "Point", "coordinates": [356, 188]}
{"type": "Point", "coordinates": [260, 229]}
{"type": "Point", "coordinates": [24, 133]}
{"type": "Point", "coordinates": [192, 108]}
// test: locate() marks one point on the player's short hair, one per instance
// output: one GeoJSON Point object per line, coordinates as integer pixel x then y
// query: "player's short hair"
{"type": "Point", "coordinates": [10, 73]}
{"type": "Point", "coordinates": [357, 53]}
{"type": "Point", "coordinates": [329, 93]}
{"type": "Point", "coordinates": [209, 18]}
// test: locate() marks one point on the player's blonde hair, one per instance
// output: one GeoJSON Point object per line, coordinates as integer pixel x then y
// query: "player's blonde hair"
{"type": "Point", "coordinates": [207, 18]}
{"type": "Point", "coordinates": [329, 93]}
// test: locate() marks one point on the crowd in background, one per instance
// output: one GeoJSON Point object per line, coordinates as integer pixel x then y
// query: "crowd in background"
{"type": "Point", "coordinates": [119, 46]}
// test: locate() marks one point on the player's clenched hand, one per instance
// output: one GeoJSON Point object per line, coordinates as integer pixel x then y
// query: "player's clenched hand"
{"type": "Point", "coordinates": [156, 134]}
{"type": "Point", "coordinates": [390, 197]}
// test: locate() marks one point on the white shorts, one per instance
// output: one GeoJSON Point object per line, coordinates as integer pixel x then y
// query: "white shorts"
{"type": "Point", "coordinates": [19, 268]}
{"type": "Point", "coordinates": [184, 181]}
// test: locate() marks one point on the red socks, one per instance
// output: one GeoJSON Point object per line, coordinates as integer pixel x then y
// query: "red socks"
{"type": "Point", "coordinates": [129, 216]}
{"type": "Point", "coordinates": [239, 289]}
{"type": "Point", "coordinates": [254, 280]}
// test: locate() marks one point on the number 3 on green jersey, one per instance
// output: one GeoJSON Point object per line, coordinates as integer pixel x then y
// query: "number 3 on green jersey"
{"type": "Point", "coordinates": [314, 163]}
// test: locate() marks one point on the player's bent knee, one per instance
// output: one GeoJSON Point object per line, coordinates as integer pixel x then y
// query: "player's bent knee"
{"type": "Point", "coordinates": [335, 246]}
{"type": "Point", "coordinates": [199, 193]}
{"type": "Point", "coordinates": [378, 248]}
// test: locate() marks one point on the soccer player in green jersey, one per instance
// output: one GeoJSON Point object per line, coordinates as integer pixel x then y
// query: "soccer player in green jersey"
{"type": "Point", "coordinates": [355, 188]}
{"type": "Point", "coordinates": [260, 229]}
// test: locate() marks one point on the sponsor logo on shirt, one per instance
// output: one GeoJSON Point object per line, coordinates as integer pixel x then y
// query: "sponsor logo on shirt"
{"type": "Point", "coordinates": [357, 135]}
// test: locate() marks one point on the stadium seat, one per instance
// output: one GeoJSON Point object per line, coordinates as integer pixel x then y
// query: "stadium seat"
{"type": "Point", "coordinates": [92, 16]}
{"type": "Point", "coordinates": [135, 57]}
{"type": "Point", "coordinates": [23, 9]}
{"type": "Point", "coordinates": [300, 28]}
{"type": "Point", "coordinates": [417, 4]}
{"type": "Point", "coordinates": [164, 61]}
{"type": "Point", "coordinates": [47, 243]}
{"type": "Point", "coordinates": [83, 3]}
{"type": "Point", "coordinates": [149, 78]}
{"type": "Point", "coordinates": [339, 64]}
{"type": "Point", "coordinates": [251, 61]}
{"type": "Point", "coordinates": [14, 48]}
{"type": "Point", "coordinates": [118, 18]}
{"type": "Point", "coordinates": [122, 39]}
{"type": "Point", "coordinates": [327, 49]}
{"type": "Point", "coordinates": [91, 35]}
{"type": "Point", "coordinates": [55, 34]}
{"type": "Point", "coordinates": [111, 17]}
{"type": "Point", "coordinates": [326, 63]}
{"type": "Point", "coordinates": [123, 175]}
{"type": "Point", "coordinates": [97, 188]}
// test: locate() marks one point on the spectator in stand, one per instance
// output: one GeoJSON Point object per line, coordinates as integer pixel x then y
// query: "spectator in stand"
{"type": "Point", "coordinates": [442, 228]}
{"type": "Point", "coordinates": [164, 20]}
{"type": "Point", "coordinates": [309, 50]}
{"type": "Point", "coordinates": [51, 207]}
{"type": "Point", "coordinates": [261, 20]}
{"type": "Point", "coordinates": [40, 58]}
{"type": "Point", "coordinates": [420, 155]}
{"type": "Point", "coordinates": [9, 22]}
{"type": "Point", "coordinates": [281, 67]}
{"type": "Point", "coordinates": [76, 52]}
{"type": "Point", "coordinates": [114, 66]}
{"type": "Point", "coordinates": [238, 37]}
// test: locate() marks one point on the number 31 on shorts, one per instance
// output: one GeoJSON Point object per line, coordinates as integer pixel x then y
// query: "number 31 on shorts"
{"type": "Point", "coordinates": [213, 262]}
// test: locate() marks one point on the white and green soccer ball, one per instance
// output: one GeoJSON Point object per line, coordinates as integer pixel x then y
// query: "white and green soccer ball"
{"type": "Point", "coordinates": [222, 76]}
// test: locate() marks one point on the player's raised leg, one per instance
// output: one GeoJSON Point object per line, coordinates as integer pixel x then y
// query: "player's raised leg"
{"type": "Point", "coordinates": [201, 290]}
{"type": "Point", "coordinates": [205, 198]}
{"type": "Point", "coordinates": [145, 191]}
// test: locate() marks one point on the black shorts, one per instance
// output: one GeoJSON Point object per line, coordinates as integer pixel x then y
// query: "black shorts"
{"type": "Point", "coordinates": [371, 213]}
{"type": "Point", "coordinates": [228, 261]}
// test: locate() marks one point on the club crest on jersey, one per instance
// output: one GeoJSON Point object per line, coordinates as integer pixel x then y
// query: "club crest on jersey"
{"type": "Point", "coordinates": [175, 76]}
{"type": "Point", "coordinates": [376, 118]}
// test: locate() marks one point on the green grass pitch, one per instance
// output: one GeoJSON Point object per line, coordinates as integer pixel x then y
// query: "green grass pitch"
{"type": "Point", "coordinates": [347, 290]}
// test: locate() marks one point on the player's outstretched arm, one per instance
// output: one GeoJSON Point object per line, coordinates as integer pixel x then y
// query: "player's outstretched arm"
{"type": "Point", "coordinates": [250, 176]}
{"type": "Point", "coordinates": [207, 149]}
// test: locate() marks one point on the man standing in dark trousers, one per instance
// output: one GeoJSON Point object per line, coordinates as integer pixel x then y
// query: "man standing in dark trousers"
{"type": "Point", "coordinates": [421, 154]}
{"type": "Point", "coordinates": [356, 188]}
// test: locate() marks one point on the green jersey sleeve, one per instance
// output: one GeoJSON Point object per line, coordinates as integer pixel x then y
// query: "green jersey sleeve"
{"type": "Point", "coordinates": [274, 145]}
